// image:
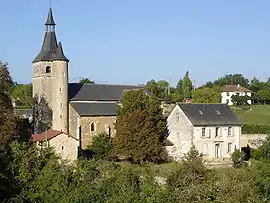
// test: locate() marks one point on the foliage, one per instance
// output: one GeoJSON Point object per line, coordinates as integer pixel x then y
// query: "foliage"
{"type": "Point", "coordinates": [265, 148]}
{"type": "Point", "coordinates": [140, 128]}
{"type": "Point", "coordinates": [206, 95]}
{"type": "Point", "coordinates": [42, 115]}
{"type": "Point", "coordinates": [264, 95]}
{"type": "Point", "coordinates": [232, 79]}
{"type": "Point", "coordinates": [86, 80]}
{"type": "Point", "coordinates": [158, 88]}
{"type": "Point", "coordinates": [22, 93]}
{"type": "Point", "coordinates": [240, 100]}
{"type": "Point", "coordinates": [238, 158]}
{"type": "Point", "coordinates": [7, 117]}
{"type": "Point", "coordinates": [101, 146]}
{"type": "Point", "coordinates": [255, 129]}
{"type": "Point", "coordinates": [256, 154]}
{"type": "Point", "coordinates": [187, 86]}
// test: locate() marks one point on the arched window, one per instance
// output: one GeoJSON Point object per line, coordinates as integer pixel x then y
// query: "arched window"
{"type": "Point", "coordinates": [92, 127]}
{"type": "Point", "coordinates": [48, 69]}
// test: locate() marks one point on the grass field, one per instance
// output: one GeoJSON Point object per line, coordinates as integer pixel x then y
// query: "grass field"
{"type": "Point", "coordinates": [259, 114]}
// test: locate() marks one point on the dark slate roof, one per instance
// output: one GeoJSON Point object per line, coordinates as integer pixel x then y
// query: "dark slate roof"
{"type": "Point", "coordinates": [209, 114]}
{"type": "Point", "coordinates": [98, 92]}
{"type": "Point", "coordinates": [50, 20]}
{"type": "Point", "coordinates": [95, 109]}
{"type": "Point", "coordinates": [50, 51]}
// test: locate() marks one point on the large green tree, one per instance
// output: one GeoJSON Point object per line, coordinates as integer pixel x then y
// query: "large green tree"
{"type": "Point", "coordinates": [140, 128]}
{"type": "Point", "coordinates": [206, 95]}
{"type": "Point", "coordinates": [232, 79]}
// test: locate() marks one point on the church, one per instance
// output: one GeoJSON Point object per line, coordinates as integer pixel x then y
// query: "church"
{"type": "Point", "coordinates": [79, 111]}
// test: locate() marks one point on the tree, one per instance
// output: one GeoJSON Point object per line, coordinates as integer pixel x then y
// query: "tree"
{"type": "Point", "coordinates": [158, 88]}
{"type": "Point", "coordinates": [187, 86]}
{"type": "Point", "coordinates": [240, 100]}
{"type": "Point", "coordinates": [86, 80]}
{"type": "Point", "coordinates": [206, 95]}
{"type": "Point", "coordinates": [42, 115]}
{"type": "Point", "coordinates": [22, 93]}
{"type": "Point", "coordinates": [238, 158]}
{"type": "Point", "coordinates": [232, 79]}
{"type": "Point", "coordinates": [140, 128]}
{"type": "Point", "coordinates": [264, 95]}
{"type": "Point", "coordinates": [101, 146]}
{"type": "Point", "coordinates": [7, 117]}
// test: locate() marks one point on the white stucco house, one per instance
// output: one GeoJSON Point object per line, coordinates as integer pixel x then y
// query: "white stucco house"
{"type": "Point", "coordinates": [228, 91]}
{"type": "Point", "coordinates": [213, 128]}
{"type": "Point", "coordinates": [64, 145]}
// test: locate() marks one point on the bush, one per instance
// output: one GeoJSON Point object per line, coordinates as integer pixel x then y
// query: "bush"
{"type": "Point", "coordinates": [253, 129]}
{"type": "Point", "coordinates": [101, 146]}
{"type": "Point", "coordinates": [238, 158]}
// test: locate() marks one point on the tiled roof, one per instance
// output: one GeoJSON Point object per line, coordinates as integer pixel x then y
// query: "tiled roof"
{"type": "Point", "coordinates": [46, 135]}
{"type": "Point", "coordinates": [209, 114]}
{"type": "Point", "coordinates": [234, 88]}
{"type": "Point", "coordinates": [95, 109]}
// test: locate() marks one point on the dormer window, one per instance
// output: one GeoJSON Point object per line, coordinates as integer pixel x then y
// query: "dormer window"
{"type": "Point", "coordinates": [201, 113]}
{"type": "Point", "coordinates": [218, 112]}
{"type": "Point", "coordinates": [48, 69]}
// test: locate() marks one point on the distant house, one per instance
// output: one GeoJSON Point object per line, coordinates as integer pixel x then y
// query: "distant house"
{"type": "Point", "coordinates": [63, 144]}
{"type": "Point", "coordinates": [228, 91]}
{"type": "Point", "coordinates": [213, 128]}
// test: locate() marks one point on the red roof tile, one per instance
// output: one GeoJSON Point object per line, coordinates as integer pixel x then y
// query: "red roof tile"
{"type": "Point", "coordinates": [48, 134]}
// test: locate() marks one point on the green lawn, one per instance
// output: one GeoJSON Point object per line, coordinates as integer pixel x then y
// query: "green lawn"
{"type": "Point", "coordinates": [259, 114]}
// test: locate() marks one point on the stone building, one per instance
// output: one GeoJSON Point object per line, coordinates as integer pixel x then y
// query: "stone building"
{"type": "Point", "coordinates": [213, 128]}
{"type": "Point", "coordinates": [78, 110]}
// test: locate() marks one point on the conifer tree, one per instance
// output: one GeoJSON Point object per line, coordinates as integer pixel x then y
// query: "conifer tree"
{"type": "Point", "coordinates": [140, 128]}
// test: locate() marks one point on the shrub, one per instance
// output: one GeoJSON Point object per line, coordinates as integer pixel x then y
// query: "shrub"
{"type": "Point", "coordinates": [101, 146]}
{"type": "Point", "coordinates": [252, 129]}
{"type": "Point", "coordinates": [238, 158]}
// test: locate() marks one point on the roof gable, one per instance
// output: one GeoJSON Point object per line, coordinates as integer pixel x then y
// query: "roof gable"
{"type": "Point", "coordinates": [46, 135]}
{"type": "Point", "coordinates": [209, 114]}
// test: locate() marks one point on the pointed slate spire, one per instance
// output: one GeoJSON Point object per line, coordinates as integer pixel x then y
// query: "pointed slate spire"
{"type": "Point", "coordinates": [50, 20]}
{"type": "Point", "coordinates": [60, 53]}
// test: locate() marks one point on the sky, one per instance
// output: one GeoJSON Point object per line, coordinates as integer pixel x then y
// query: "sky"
{"type": "Point", "coordinates": [134, 41]}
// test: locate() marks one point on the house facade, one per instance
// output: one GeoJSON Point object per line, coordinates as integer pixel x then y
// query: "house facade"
{"type": "Point", "coordinates": [213, 128]}
{"type": "Point", "coordinates": [228, 91]}
{"type": "Point", "coordinates": [64, 145]}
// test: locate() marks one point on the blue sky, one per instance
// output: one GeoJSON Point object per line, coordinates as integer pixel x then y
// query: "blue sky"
{"type": "Point", "coordinates": [133, 41]}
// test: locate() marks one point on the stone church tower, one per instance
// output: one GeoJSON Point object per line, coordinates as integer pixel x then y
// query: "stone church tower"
{"type": "Point", "coordinates": [50, 76]}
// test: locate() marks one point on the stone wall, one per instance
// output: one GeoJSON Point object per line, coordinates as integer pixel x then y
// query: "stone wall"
{"type": "Point", "coordinates": [65, 146]}
{"type": "Point", "coordinates": [252, 140]}
{"type": "Point", "coordinates": [99, 124]}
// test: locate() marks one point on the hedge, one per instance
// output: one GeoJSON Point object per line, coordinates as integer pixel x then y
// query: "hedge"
{"type": "Point", "coordinates": [252, 129]}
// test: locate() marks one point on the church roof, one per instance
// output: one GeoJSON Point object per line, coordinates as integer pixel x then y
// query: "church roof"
{"type": "Point", "coordinates": [98, 92]}
{"type": "Point", "coordinates": [50, 50]}
{"type": "Point", "coordinates": [95, 109]}
{"type": "Point", "coordinates": [50, 20]}
{"type": "Point", "coordinates": [209, 114]}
